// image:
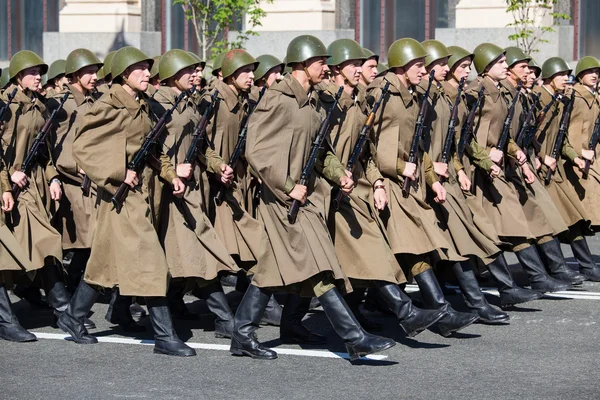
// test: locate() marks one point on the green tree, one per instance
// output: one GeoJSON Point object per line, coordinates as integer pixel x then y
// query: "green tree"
{"type": "Point", "coordinates": [212, 18]}
{"type": "Point", "coordinates": [527, 14]}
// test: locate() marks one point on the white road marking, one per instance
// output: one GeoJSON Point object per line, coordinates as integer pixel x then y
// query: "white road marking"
{"type": "Point", "coordinates": [568, 294]}
{"type": "Point", "coordinates": [210, 346]}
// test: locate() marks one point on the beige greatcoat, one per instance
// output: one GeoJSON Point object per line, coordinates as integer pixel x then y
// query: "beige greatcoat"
{"type": "Point", "coordinates": [232, 219]}
{"type": "Point", "coordinates": [191, 245]}
{"type": "Point", "coordinates": [358, 233]}
{"type": "Point", "coordinates": [583, 119]}
{"type": "Point", "coordinates": [30, 218]}
{"type": "Point", "coordinates": [279, 141]}
{"type": "Point", "coordinates": [411, 223]}
{"type": "Point", "coordinates": [76, 212]}
{"type": "Point", "coordinates": [561, 191]}
{"type": "Point", "coordinates": [126, 251]}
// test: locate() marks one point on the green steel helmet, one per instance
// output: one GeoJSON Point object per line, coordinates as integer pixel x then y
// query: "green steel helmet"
{"type": "Point", "coordinates": [342, 50]}
{"type": "Point", "coordinates": [553, 66]}
{"type": "Point", "coordinates": [436, 50]}
{"type": "Point", "coordinates": [286, 69]}
{"type": "Point", "coordinates": [404, 51]}
{"type": "Point", "coordinates": [107, 74]}
{"type": "Point", "coordinates": [218, 64]}
{"type": "Point", "coordinates": [236, 59]}
{"type": "Point", "coordinates": [370, 55]}
{"type": "Point", "coordinates": [80, 58]}
{"type": "Point", "coordinates": [458, 53]}
{"type": "Point", "coordinates": [382, 69]}
{"type": "Point", "coordinates": [515, 55]}
{"type": "Point", "coordinates": [57, 68]}
{"type": "Point", "coordinates": [4, 79]}
{"type": "Point", "coordinates": [484, 55]}
{"type": "Point", "coordinates": [305, 47]}
{"type": "Point", "coordinates": [586, 63]}
{"type": "Point", "coordinates": [25, 59]}
{"type": "Point", "coordinates": [266, 63]}
{"type": "Point", "coordinates": [125, 58]}
{"type": "Point", "coordinates": [44, 80]}
{"type": "Point", "coordinates": [174, 61]}
{"type": "Point", "coordinates": [154, 72]}
{"type": "Point", "coordinates": [198, 60]}
{"type": "Point", "coordinates": [535, 67]}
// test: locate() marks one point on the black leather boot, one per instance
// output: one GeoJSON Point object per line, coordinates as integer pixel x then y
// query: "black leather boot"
{"type": "Point", "coordinates": [10, 329]}
{"type": "Point", "coordinates": [582, 254]}
{"type": "Point", "coordinates": [413, 320]}
{"type": "Point", "coordinates": [354, 300]}
{"type": "Point", "coordinates": [56, 292]}
{"type": "Point", "coordinates": [272, 313]}
{"type": "Point", "coordinates": [473, 296]}
{"type": "Point", "coordinates": [358, 342]}
{"type": "Point", "coordinates": [177, 305]}
{"type": "Point", "coordinates": [71, 321]}
{"type": "Point", "coordinates": [165, 338]}
{"type": "Point", "coordinates": [433, 298]}
{"type": "Point", "coordinates": [538, 277]}
{"type": "Point", "coordinates": [217, 304]}
{"type": "Point", "coordinates": [118, 313]}
{"type": "Point", "coordinates": [510, 293]}
{"type": "Point", "coordinates": [291, 330]}
{"type": "Point", "coordinates": [30, 294]}
{"type": "Point", "coordinates": [552, 256]}
{"type": "Point", "coordinates": [247, 319]}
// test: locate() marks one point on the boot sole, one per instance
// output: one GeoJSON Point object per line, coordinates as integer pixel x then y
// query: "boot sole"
{"type": "Point", "coordinates": [355, 356]}
{"type": "Point", "coordinates": [242, 353]}
{"type": "Point", "coordinates": [8, 338]}
{"type": "Point", "coordinates": [416, 332]}
{"type": "Point", "coordinates": [169, 353]}
{"type": "Point", "coordinates": [64, 328]}
{"type": "Point", "coordinates": [448, 333]}
{"type": "Point", "coordinates": [494, 321]}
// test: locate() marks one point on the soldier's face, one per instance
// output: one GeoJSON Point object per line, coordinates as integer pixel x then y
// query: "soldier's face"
{"type": "Point", "coordinates": [531, 78]}
{"type": "Point", "coordinates": [185, 78]}
{"type": "Point", "coordinates": [137, 76]}
{"type": "Point", "coordinates": [369, 71]}
{"type": "Point", "coordinates": [244, 77]}
{"type": "Point", "coordinates": [86, 77]}
{"type": "Point", "coordinates": [589, 78]}
{"type": "Point", "coordinates": [499, 69]}
{"type": "Point", "coordinates": [463, 69]}
{"type": "Point", "coordinates": [352, 70]}
{"type": "Point", "coordinates": [316, 67]}
{"type": "Point", "coordinates": [441, 69]}
{"type": "Point", "coordinates": [520, 71]}
{"type": "Point", "coordinates": [30, 78]}
{"type": "Point", "coordinates": [559, 81]}
{"type": "Point", "coordinates": [274, 75]}
{"type": "Point", "coordinates": [415, 71]}
{"type": "Point", "coordinates": [198, 75]}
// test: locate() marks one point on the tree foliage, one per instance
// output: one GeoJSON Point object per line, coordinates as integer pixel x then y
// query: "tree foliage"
{"type": "Point", "coordinates": [213, 18]}
{"type": "Point", "coordinates": [527, 14]}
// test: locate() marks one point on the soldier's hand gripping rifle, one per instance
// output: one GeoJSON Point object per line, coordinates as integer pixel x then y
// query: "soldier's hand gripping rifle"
{"type": "Point", "coordinates": [4, 108]}
{"type": "Point", "coordinates": [447, 151]}
{"type": "Point", "coordinates": [466, 132]}
{"type": "Point", "coordinates": [562, 133]}
{"type": "Point", "coordinates": [529, 137]}
{"type": "Point", "coordinates": [413, 155]}
{"type": "Point", "coordinates": [592, 146]}
{"type": "Point", "coordinates": [240, 145]}
{"type": "Point", "coordinates": [313, 156]}
{"type": "Point", "coordinates": [362, 139]}
{"type": "Point", "coordinates": [508, 120]}
{"type": "Point", "coordinates": [528, 122]}
{"type": "Point", "coordinates": [38, 143]}
{"type": "Point", "coordinates": [141, 157]}
{"type": "Point", "coordinates": [200, 131]}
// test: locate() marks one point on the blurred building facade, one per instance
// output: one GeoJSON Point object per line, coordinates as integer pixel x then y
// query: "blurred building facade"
{"type": "Point", "coordinates": [53, 28]}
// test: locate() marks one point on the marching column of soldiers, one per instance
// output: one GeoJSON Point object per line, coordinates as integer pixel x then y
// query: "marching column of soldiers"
{"type": "Point", "coordinates": [327, 175]}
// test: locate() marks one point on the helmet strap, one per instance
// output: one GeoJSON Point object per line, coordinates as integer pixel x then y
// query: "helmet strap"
{"type": "Point", "coordinates": [310, 80]}
{"type": "Point", "coordinates": [346, 80]}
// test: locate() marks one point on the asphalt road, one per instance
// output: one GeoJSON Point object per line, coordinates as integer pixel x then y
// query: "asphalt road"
{"type": "Point", "coordinates": [550, 350]}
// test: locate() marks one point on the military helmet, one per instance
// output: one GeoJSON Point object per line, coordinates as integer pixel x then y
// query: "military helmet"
{"type": "Point", "coordinates": [57, 68]}
{"type": "Point", "coordinates": [404, 51]}
{"type": "Point", "coordinates": [370, 55]}
{"type": "Point", "coordinates": [4, 79]}
{"type": "Point", "coordinates": [106, 72]}
{"type": "Point", "coordinates": [382, 69]}
{"type": "Point", "coordinates": [535, 67]}
{"type": "Point", "coordinates": [236, 59]}
{"type": "Point", "coordinates": [174, 61]}
{"type": "Point", "coordinates": [553, 66]}
{"type": "Point", "coordinates": [126, 57]}
{"type": "Point", "coordinates": [305, 47]}
{"type": "Point", "coordinates": [342, 50]}
{"type": "Point", "coordinates": [154, 71]}
{"type": "Point", "coordinates": [266, 63]}
{"type": "Point", "coordinates": [515, 55]}
{"type": "Point", "coordinates": [80, 58]}
{"type": "Point", "coordinates": [286, 69]}
{"type": "Point", "coordinates": [586, 63]}
{"type": "Point", "coordinates": [44, 80]}
{"type": "Point", "coordinates": [198, 59]}
{"type": "Point", "coordinates": [458, 53]}
{"type": "Point", "coordinates": [436, 50]}
{"type": "Point", "coordinates": [218, 63]}
{"type": "Point", "coordinates": [484, 55]}
{"type": "Point", "coordinates": [25, 59]}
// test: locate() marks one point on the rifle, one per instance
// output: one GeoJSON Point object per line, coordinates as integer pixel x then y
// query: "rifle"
{"type": "Point", "coordinates": [240, 145]}
{"type": "Point", "coordinates": [540, 118]}
{"type": "Point", "coordinates": [140, 158]}
{"type": "Point", "coordinates": [527, 125]}
{"type": "Point", "coordinates": [362, 139]}
{"type": "Point", "coordinates": [508, 120]}
{"type": "Point", "coordinates": [562, 132]}
{"type": "Point", "coordinates": [39, 140]}
{"type": "Point", "coordinates": [467, 129]}
{"type": "Point", "coordinates": [451, 127]}
{"type": "Point", "coordinates": [312, 158]}
{"type": "Point", "coordinates": [4, 108]}
{"type": "Point", "coordinates": [592, 146]}
{"type": "Point", "coordinates": [419, 127]}
{"type": "Point", "coordinates": [200, 130]}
